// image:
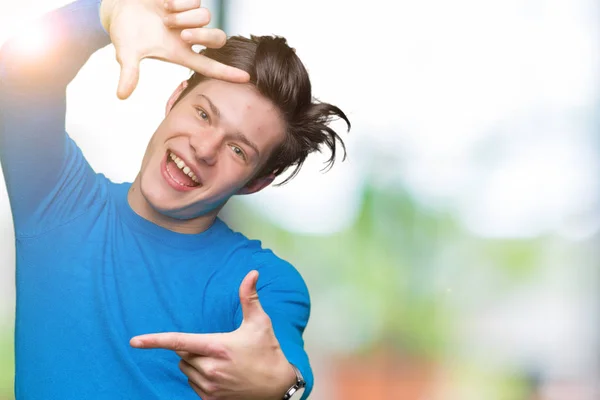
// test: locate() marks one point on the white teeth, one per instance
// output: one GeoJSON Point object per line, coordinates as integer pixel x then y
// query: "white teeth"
{"type": "Point", "coordinates": [181, 165]}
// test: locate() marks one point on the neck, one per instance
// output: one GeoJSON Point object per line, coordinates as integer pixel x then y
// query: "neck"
{"type": "Point", "coordinates": [140, 206]}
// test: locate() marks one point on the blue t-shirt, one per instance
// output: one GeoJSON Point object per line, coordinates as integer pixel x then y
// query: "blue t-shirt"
{"type": "Point", "coordinates": [91, 273]}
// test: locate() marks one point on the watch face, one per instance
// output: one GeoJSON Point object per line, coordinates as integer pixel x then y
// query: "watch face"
{"type": "Point", "coordinates": [298, 394]}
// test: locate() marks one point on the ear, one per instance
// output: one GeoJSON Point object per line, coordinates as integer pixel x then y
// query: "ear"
{"type": "Point", "coordinates": [256, 185]}
{"type": "Point", "coordinates": [175, 96]}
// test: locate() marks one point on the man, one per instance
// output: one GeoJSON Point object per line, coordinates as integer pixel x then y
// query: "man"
{"type": "Point", "coordinates": [101, 264]}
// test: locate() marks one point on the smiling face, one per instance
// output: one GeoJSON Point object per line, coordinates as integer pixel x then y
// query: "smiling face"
{"type": "Point", "coordinates": [209, 147]}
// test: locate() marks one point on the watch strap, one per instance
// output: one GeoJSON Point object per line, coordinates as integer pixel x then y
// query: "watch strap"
{"type": "Point", "coordinates": [300, 383]}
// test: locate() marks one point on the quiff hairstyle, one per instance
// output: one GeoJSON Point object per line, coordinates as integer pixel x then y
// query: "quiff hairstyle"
{"type": "Point", "coordinates": [279, 75]}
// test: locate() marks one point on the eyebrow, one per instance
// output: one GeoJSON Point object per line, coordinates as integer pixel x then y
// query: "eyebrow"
{"type": "Point", "coordinates": [237, 135]}
{"type": "Point", "coordinates": [212, 106]}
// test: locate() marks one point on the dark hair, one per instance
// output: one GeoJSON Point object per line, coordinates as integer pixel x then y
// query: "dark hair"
{"type": "Point", "coordinates": [279, 75]}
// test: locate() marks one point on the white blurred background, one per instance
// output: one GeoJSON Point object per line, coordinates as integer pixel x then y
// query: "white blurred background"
{"type": "Point", "coordinates": [481, 113]}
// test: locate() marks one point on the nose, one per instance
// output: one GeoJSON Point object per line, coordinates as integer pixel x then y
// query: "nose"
{"type": "Point", "coordinates": [206, 147]}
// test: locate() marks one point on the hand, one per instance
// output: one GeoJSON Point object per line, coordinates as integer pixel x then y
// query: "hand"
{"type": "Point", "coordinates": [157, 29]}
{"type": "Point", "coordinates": [247, 363]}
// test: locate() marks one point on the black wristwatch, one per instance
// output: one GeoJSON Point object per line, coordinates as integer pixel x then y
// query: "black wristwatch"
{"type": "Point", "coordinates": [297, 390]}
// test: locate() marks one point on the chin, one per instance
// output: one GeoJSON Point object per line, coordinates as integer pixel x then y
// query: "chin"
{"type": "Point", "coordinates": [157, 196]}
{"type": "Point", "coordinates": [172, 205]}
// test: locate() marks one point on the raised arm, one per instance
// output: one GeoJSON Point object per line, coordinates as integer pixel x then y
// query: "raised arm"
{"type": "Point", "coordinates": [45, 173]}
{"type": "Point", "coordinates": [34, 149]}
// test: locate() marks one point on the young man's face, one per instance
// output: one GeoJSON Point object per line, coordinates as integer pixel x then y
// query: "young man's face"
{"type": "Point", "coordinates": [208, 148]}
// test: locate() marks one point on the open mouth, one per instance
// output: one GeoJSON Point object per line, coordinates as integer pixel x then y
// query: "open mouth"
{"type": "Point", "coordinates": [180, 173]}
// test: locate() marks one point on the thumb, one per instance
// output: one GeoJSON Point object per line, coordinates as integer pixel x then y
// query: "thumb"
{"type": "Point", "coordinates": [130, 75]}
{"type": "Point", "coordinates": [251, 307]}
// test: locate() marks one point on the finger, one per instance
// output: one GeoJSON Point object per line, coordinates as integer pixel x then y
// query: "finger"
{"type": "Point", "coordinates": [251, 307]}
{"type": "Point", "coordinates": [211, 68]}
{"type": "Point", "coordinates": [129, 76]}
{"type": "Point", "coordinates": [207, 373]}
{"type": "Point", "coordinates": [200, 344]}
{"type": "Point", "coordinates": [188, 19]}
{"type": "Point", "coordinates": [197, 389]}
{"type": "Point", "coordinates": [207, 37]}
{"type": "Point", "coordinates": [202, 385]}
{"type": "Point", "coordinates": [192, 373]}
{"type": "Point", "coordinates": [181, 5]}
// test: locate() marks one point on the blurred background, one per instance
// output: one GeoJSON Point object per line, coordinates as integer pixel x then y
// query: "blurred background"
{"type": "Point", "coordinates": [454, 254]}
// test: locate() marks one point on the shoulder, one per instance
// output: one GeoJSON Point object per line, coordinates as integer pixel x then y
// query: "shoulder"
{"type": "Point", "coordinates": [250, 254]}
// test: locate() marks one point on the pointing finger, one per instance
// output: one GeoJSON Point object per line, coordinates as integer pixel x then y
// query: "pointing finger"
{"type": "Point", "coordinates": [200, 344]}
{"type": "Point", "coordinates": [211, 68]}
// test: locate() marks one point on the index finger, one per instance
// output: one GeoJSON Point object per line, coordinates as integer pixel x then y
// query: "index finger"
{"type": "Point", "coordinates": [194, 343]}
{"type": "Point", "coordinates": [213, 69]}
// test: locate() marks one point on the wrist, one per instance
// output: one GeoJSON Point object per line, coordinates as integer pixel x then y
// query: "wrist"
{"type": "Point", "coordinates": [289, 379]}
{"type": "Point", "coordinates": [296, 390]}
{"type": "Point", "coordinates": [285, 378]}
